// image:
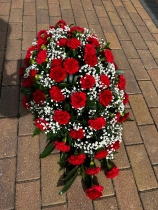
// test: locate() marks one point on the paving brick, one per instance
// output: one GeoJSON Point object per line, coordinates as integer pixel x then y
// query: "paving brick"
{"type": "Point", "coordinates": [28, 195]}
{"type": "Point", "coordinates": [144, 15]}
{"type": "Point", "coordinates": [149, 93]}
{"type": "Point", "coordinates": [154, 76]}
{"type": "Point", "coordinates": [57, 207]}
{"type": "Point", "coordinates": [87, 4]}
{"type": "Point", "coordinates": [137, 41]}
{"type": "Point", "coordinates": [131, 133]}
{"type": "Point", "coordinates": [106, 204]}
{"type": "Point", "coordinates": [28, 38]}
{"type": "Point", "coordinates": [97, 2]}
{"type": "Point", "coordinates": [141, 165]}
{"type": "Point", "coordinates": [29, 23]}
{"type": "Point", "coordinates": [78, 10]}
{"type": "Point", "coordinates": [112, 38]}
{"type": "Point", "coordinates": [151, 26]}
{"type": "Point", "coordinates": [115, 19]}
{"type": "Point", "coordinates": [15, 15]}
{"type": "Point", "coordinates": [150, 135]}
{"type": "Point", "coordinates": [121, 159]}
{"type": "Point", "coordinates": [131, 83]}
{"type": "Point", "coordinates": [75, 2]}
{"type": "Point", "coordinates": [156, 171]}
{"type": "Point", "coordinates": [126, 191]}
{"type": "Point", "coordinates": [153, 47]}
{"type": "Point", "coordinates": [155, 37]}
{"type": "Point", "coordinates": [8, 137]}
{"type": "Point", "coordinates": [106, 25]}
{"type": "Point", "coordinates": [154, 113]}
{"type": "Point", "coordinates": [28, 165]}
{"type": "Point", "coordinates": [13, 51]}
{"type": "Point", "coordinates": [10, 74]}
{"type": "Point", "coordinates": [4, 23]}
{"type": "Point", "coordinates": [129, 49]}
{"type": "Point", "coordinates": [42, 16]}
{"type": "Point", "coordinates": [17, 4]}
{"type": "Point", "coordinates": [2, 53]}
{"type": "Point", "coordinates": [40, 4]}
{"type": "Point", "coordinates": [109, 6]}
{"type": "Point", "coordinates": [81, 22]}
{"type": "Point", "coordinates": [120, 59]}
{"type": "Point", "coordinates": [121, 33]}
{"type": "Point", "coordinates": [15, 31]}
{"type": "Point", "coordinates": [67, 15]}
{"type": "Point", "coordinates": [100, 11]}
{"type": "Point", "coordinates": [29, 8]}
{"type": "Point", "coordinates": [117, 3]}
{"type": "Point", "coordinates": [65, 4]}
{"type": "Point", "coordinates": [7, 183]}
{"type": "Point", "coordinates": [51, 181]}
{"type": "Point", "coordinates": [3, 37]}
{"type": "Point", "coordinates": [98, 30]}
{"type": "Point", "coordinates": [46, 25]}
{"type": "Point", "coordinates": [137, 19]}
{"type": "Point", "coordinates": [136, 3]}
{"type": "Point", "coordinates": [138, 69]}
{"type": "Point", "coordinates": [145, 33]}
{"type": "Point", "coordinates": [122, 13]}
{"type": "Point", "coordinates": [4, 8]}
{"type": "Point", "coordinates": [9, 98]}
{"type": "Point", "coordinates": [147, 59]}
{"type": "Point", "coordinates": [142, 115]}
{"type": "Point", "coordinates": [26, 126]}
{"type": "Point", "coordinates": [129, 25]}
{"type": "Point", "coordinates": [150, 200]}
{"type": "Point", "coordinates": [54, 10]}
{"type": "Point", "coordinates": [91, 17]}
{"type": "Point", "coordinates": [129, 7]}
{"type": "Point", "coordinates": [75, 201]}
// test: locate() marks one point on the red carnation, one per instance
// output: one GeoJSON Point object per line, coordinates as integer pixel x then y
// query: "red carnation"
{"type": "Point", "coordinates": [114, 146]}
{"type": "Point", "coordinates": [124, 118]}
{"type": "Point", "coordinates": [105, 80]}
{"type": "Point", "coordinates": [89, 49]}
{"type": "Point", "coordinates": [87, 81]}
{"type": "Point", "coordinates": [62, 117]}
{"type": "Point", "coordinates": [56, 94]}
{"type": "Point", "coordinates": [97, 123]}
{"type": "Point", "coordinates": [71, 65]}
{"type": "Point", "coordinates": [126, 99]}
{"type": "Point", "coordinates": [41, 56]}
{"type": "Point", "coordinates": [105, 97]}
{"type": "Point", "coordinates": [93, 40]}
{"type": "Point", "coordinates": [57, 73]}
{"type": "Point", "coordinates": [62, 42]}
{"type": "Point", "coordinates": [42, 34]}
{"type": "Point", "coordinates": [61, 24]}
{"type": "Point", "coordinates": [122, 82]}
{"type": "Point", "coordinates": [57, 62]}
{"type": "Point", "coordinates": [28, 55]}
{"type": "Point", "coordinates": [112, 173]}
{"type": "Point", "coordinates": [94, 192]}
{"type": "Point", "coordinates": [78, 100]}
{"type": "Point", "coordinates": [90, 59]}
{"type": "Point", "coordinates": [101, 154]}
{"type": "Point", "coordinates": [41, 42]}
{"type": "Point", "coordinates": [76, 29]}
{"type": "Point", "coordinates": [92, 171]}
{"type": "Point", "coordinates": [33, 73]}
{"type": "Point", "coordinates": [25, 102]}
{"type": "Point", "coordinates": [61, 146]}
{"type": "Point", "coordinates": [39, 97]}
{"type": "Point", "coordinates": [77, 134]}
{"type": "Point", "coordinates": [27, 82]}
{"type": "Point", "coordinates": [42, 124]}
{"type": "Point", "coordinates": [109, 56]}
{"type": "Point", "coordinates": [77, 159]}
{"type": "Point", "coordinates": [21, 71]}
{"type": "Point", "coordinates": [73, 43]}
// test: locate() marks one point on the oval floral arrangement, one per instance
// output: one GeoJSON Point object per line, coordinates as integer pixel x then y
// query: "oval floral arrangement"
{"type": "Point", "coordinates": [77, 95]}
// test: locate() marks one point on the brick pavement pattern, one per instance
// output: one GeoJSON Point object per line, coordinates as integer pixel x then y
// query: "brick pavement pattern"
{"type": "Point", "coordinates": [28, 183]}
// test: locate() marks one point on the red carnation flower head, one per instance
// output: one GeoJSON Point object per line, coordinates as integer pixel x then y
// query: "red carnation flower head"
{"type": "Point", "coordinates": [56, 94]}
{"type": "Point", "coordinates": [94, 192]}
{"type": "Point", "coordinates": [78, 100]}
{"type": "Point", "coordinates": [124, 118]}
{"type": "Point", "coordinates": [92, 171]}
{"type": "Point", "coordinates": [27, 82]}
{"type": "Point", "coordinates": [98, 123]}
{"type": "Point", "coordinates": [62, 42]}
{"type": "Point", "coordinates": [114, 146]}
{"type": "Point", "coordinates": [77, 134]}
{"type": "Point", "coordinates": [126, 98]}
{"type": "Point", "coordinates": [33, 73]}
{"type": "Point", "coordinates": [101, 154]}
{"type": "Point", "coordinates": [75, 29]}
{"type": "Point", "coordinates": [109, 56]}
{"type": "Point", "coordinates": [77, 159]}
{"type": "Point", "coordinates": [57, 73]}
{"type": "Point", "coordinates": [112, 173]}
{"type": "Point", "coordinates": [93, 40]}
{"type": "Point", "coordinates": [90, 59]}
{"type": "Point", "coordinates": [28, 55]}
{"type": "Point", "coordinates": [25, 102]}
{"type": "Point", "coordinates": [61, 24]}
{"type": "Point", "coordinates": [42, 34]}
{"type": "Point", "coordinates": [41, 123]}
{"type": "Point", "coordinates": [105, 81]}
{"type": "Point", "coordinates": [61, 116]}
{"type": "Point", "coordinates": [71, 65]}
{"type": "Point", "coordinates": [122, 82]}
{"type": "Point", "coordinates": [61, 146]}
{"type": "Point", "coordinates": [39, 97]}
{"type": "Point", "coordinates": [56, 62]}
{"type": "Point", "coordinates": [89, 49]}
{"type": "Point", "coordinates": [87, 81]}
{"type": "Point", "coordinates": [41, 42]}
{"type": "Point", "coordinates": [21, 71]}
{"type": "Point", "coordinates": [73, 43]}
{"type": "Point", "coordinates": [41, 56]}
{"type": "Point", "coordinates": [105, 97]}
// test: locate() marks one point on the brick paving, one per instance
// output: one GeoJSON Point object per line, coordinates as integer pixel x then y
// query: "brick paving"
{"type": "Point", "coordinates": [28, 183]}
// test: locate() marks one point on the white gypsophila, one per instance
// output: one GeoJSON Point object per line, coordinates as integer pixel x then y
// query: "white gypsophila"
{"type": "Point", "coordinates": [27, 70]}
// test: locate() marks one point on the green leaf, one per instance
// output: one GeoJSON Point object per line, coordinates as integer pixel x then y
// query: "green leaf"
{"type": "Point", "coordinates": [119, 72]}
{"type": "Point", "coordinates": [63, 85]}
{"type": "Point", "coordinates": [107, 46]}
{"type": "Point", "coordinates": [62, 160]}
{"type": "Point", "coordinates": [49, 148]}
{"type": "Point", "coordinates": [36, 132]}
{"type": "Point", "coordinates": [68, 184]}
{"type": "Point", "coordinates": [26, 91]}
{"type": "Point", "coordinates": [129, 119]}
{"type": "Point", "coordinates": [71, 173]}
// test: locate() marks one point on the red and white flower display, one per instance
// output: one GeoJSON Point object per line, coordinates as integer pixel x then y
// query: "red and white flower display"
{"type": "Point", "coordinates": [77, 95]}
